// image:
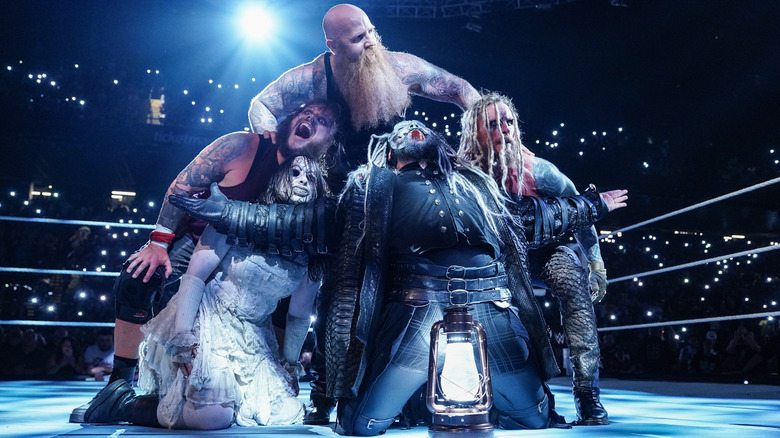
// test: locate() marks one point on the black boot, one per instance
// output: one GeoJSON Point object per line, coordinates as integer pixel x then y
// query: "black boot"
{"type": "Point", "coordinates": [590, 411]}
{"type": "Point", "coordinates": [105, 406]}
{"type": "Point", "coordinates": [78, 414]}
{"type": "Point", "coordinates": [118, 402]}
{"type": "Point", "coordinates": [143, 412]}
{"type": "Point", "coordinates": [320, 407]}
{"type": "Point", "coordinates": [319, 411]}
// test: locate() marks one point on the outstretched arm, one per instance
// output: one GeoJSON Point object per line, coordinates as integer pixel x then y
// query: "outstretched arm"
{"type": "Point", "coordinates": [550, 181]}
{"type": "Point", "coordinates": [428, 80]}
{"type": "Point", "coordinates": [545, 220]}
{"type": "Point", "coordinates": [211, 165]}
{"type": "Point", "coordinates": [284, 95]}
{"type": "Point", "coordinates": [275, 228]}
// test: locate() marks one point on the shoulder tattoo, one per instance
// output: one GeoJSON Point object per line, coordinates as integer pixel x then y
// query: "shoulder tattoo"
{"type": "Point", "coordinates": [209, 166]}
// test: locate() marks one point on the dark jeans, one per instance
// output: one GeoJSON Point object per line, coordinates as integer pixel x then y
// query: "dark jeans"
{"type": "Point", "coordinates": [400, 362]}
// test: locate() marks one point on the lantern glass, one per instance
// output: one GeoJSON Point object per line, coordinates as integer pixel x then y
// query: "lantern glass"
{"type": "Point", "coordinates": [460, 395]}
{"type": "Point", "coordinates": [460, 380]}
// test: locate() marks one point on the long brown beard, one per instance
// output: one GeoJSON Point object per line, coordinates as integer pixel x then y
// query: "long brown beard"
{"type": "Point", "coordinates": [372, 89]}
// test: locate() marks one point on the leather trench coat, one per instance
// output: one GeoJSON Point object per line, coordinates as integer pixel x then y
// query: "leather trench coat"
{"type": "Point", "coordinates": [361, 267]}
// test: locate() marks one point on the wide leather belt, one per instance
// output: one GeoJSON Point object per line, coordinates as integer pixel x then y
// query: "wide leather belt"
{"type": "Point", "coordinates": [449, 284]}
{"type": "Point", "coordinates": [453, 271]}
{"type": "Point", "coordinates": [456, 297]}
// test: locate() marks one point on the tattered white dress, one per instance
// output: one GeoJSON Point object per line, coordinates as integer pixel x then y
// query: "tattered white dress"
{"type": "Point", "coordinates": [237, 363]}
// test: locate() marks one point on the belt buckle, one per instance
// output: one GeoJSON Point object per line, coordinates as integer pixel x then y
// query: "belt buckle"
{"type": "Point", "coordinates": [456, 284]}
{"type": "Point", "coordinates": [459, 272]}
{"type": "Point", "coordinates": [458, 293]}
{"type": "Point", "coordinates": [459, 297]}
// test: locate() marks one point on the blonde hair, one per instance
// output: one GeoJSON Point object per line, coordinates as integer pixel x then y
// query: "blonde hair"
{"type": "Point", "coordinates": [484, 156]}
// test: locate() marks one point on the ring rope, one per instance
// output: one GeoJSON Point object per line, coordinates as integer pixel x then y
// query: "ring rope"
{"type": "Point", "coordinates": [601, 329]}
{"type": "Point", "coordinates": [610, 281]}
{"type": "Point", "coordinates": [76, 222]}
{"type": "Point", "coordinates": [68, 222]}
{"type": "Point", "coordinates": [59, 271]}
{"type": "Point", "coordinates": [56, 323]}
{"type": "Point", "coordinates": [690, 321]}
{"type": "Point", "coordinates": [693, 207]}
{"type": "Point", "coordinates": [696, 263]}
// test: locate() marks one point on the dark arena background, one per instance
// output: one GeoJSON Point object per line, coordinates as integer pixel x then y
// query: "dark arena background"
{"type": "Point", "coordinates": [102, 103]}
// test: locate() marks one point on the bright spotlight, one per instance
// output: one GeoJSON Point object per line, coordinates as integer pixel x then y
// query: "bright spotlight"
{"type": "Point", "coordinates": [256, 23]}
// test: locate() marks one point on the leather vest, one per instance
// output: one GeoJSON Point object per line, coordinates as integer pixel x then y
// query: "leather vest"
{"type": "Point", "coordinates": [443, 216]}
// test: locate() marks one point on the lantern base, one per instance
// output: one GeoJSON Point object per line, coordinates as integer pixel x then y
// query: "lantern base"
{"type": "Point", "coordinates": [458, 432]}
{"type": "Point", "coordinates": [466, 426]}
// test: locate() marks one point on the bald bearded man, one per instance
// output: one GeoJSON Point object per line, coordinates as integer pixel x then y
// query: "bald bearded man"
{"type": "Point", "coordinates": [371, 83]}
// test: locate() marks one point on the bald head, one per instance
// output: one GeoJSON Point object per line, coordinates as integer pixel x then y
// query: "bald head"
{"type": "Point", "coordinates": [342, 18]}
{"type": "Point", "coordinates": [362, 67]}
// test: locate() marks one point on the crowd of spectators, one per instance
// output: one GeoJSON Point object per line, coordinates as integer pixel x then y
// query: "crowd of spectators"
{"type": "Point", "coordinates": [55, 353]}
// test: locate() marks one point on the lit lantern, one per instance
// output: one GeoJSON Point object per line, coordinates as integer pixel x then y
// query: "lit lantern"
{"type": "Point", "coordinates": [460, 395]}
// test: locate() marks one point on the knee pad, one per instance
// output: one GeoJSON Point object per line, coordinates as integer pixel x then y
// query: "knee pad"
{"type": "Point", "coordinates": [134, 299]}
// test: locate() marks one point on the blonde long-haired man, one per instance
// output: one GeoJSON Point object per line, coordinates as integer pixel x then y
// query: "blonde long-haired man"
{"type": "Point", "coordinates": [491, 140]}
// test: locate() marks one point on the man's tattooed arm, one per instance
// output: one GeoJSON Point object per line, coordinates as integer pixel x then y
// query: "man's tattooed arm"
{"type": "Point", "coordinates": [435, 83]}
{"type": "Point", "coordinates": [292, 89]}
{"type": "Point", "coordinates": [209, 166]}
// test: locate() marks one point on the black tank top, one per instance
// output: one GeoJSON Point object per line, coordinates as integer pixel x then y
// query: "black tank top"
{"type": "Point", "coordinates": [264, 165]}
{"type": "Point", "coordinates": [355, 142]}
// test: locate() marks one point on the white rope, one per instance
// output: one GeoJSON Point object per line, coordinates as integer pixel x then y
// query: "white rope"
{"type": "Point", "coordinates": [601, 329]}
{"type": "Point", "coordinates": [690, 321]}
{"type": "Point", "coordinates": [68, 222]}
{"type": "Point", "coordinates": [56, 323]}
{"type": "Point", "coordinates": [76, 222]}
{"type": "Point", "coordinates": [59, 271]}
{"type": "Point", "coordinates": [696, 263]}
{"type": "Point", "coordinates": [693, 207]}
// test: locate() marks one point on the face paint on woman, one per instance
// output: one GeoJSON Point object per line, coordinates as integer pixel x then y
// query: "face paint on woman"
{"type": "Point", "coordinates": [303, 185]}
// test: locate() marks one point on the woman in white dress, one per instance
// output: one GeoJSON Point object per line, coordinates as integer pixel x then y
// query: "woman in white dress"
{"type": "Point", "coordinates": [211, 357]}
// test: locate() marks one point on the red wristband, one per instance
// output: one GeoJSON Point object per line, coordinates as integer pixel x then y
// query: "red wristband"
{"type": "Point", "coordinates": [159, 236]}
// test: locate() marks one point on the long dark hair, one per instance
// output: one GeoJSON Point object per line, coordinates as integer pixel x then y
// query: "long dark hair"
{"type": "Point", "coordinates": [280, 185]}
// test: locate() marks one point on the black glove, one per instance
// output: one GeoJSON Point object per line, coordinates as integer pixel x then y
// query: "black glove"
{"type": "Point", "coordinates": [209, 210]}
{"type": "Point", "coordinates": [276, 228]}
